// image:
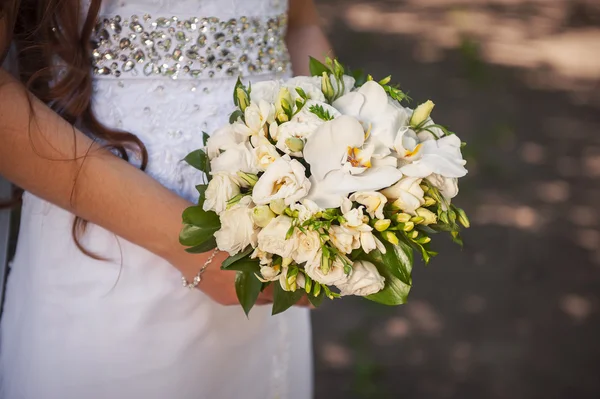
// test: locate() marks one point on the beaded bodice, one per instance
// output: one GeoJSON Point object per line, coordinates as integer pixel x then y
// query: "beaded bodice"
{"type": "Point", "coordinates": [165, 70]}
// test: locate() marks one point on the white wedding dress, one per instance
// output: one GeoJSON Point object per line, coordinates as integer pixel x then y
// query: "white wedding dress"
{"type": "Point", "coordinates": [77, 328]}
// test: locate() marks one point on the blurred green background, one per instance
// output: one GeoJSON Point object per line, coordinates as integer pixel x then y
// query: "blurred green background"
{"type": "Point", "coordinates": [515, 314]}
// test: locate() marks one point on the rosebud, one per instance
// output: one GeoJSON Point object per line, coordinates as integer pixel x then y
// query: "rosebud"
{"type": "Point", "coordinates": [262, 215]}
{"type": "Point", "coordinates": [428, 201]}
{"type": "Point", "coordinates": [408, 226]}
{"type": "Point", "coordinates": [428, 216]}
{"type": "Point", "coordinates": [462, 218]}
{"type": "Point", "coordinates": [242, 98]}
{"type": "Point", "coordinates": [295, 144]}
{"type": "Point", "coordinates": [390, 237]}
{"type": "Point", "coordinates": [278, 206]}
{"type": "Point", "coordinates": [248, 178]}
{"type": "Point", "coordinates": [402, 217]}
{"type": "Point", "coordinates": [383, 224]}
{"type": "Point", "coordinates": [421, 113]}
{"type": "Point", "coordinates": [326, 86]}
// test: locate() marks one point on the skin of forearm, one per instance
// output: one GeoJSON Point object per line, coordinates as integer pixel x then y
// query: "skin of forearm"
{"type": "Point", "coordinates": [44, 155]}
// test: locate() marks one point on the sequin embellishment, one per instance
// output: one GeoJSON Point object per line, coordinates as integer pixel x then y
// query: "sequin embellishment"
{"type": "Point", "coordinates": [189, 48]}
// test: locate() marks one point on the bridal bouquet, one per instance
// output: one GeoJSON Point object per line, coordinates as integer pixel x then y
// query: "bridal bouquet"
{"type": "Point", "coordinates": [324, 186]}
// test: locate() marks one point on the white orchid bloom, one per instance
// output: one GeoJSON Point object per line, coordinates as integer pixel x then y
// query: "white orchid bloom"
{"type": "Point", "coordinates": [341, 163]}
{"type": "Point", "coordinates": [379, 114]}
{"type": "Point", "coordinates": [441, 156]}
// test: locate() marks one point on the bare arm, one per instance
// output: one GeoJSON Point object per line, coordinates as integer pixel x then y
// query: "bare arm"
{"type": "Point", "coordinates": [43, 154]}
{"type": "Point", "coordinates": [305, 37]}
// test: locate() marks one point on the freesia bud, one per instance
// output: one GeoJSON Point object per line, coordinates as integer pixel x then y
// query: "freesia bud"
{"type": "Point", "coordinates": [424, 240]}
{"type": "Point", "coordinates": [383, 224]}
{"type": "Point", "coordinates": [402, 217]}
{"type": "Point", "coordinates": [429, 201]}
{"type": "Point", "coordinates": [413, 234]}
{"type": "Point", "coordinates": [390, 237]}
{"type": "Point", "coordinates": [278, 206]}
{"type": "Point", "coordinates": [285, 262]}
{"type": "Point", "coordinates": [325, 263]}
{"type": "Point", "coordinates": [248, 178]}
{"type": "Point", "coordinates": [424, 187]}
{"type": "Point", "coordinates": [462, 218]}
{"type": "Point", "coordinates": [316, 289]}
{"type": "Point", "coordinates": [295, 144]}
{"type": "Point", "coordinates": [385, 80]}
{"type": "Point", "coordinates": [408, 226]}
{"type": "Point", "coordinates": [308, 285]}
{"type": "Point", "coordinates": [428, 216]}
{"type": "Point", "coordinates": [234, 200]}
{"type": "Point", "coordinates": [444, 217]}
{"type": "Point", "coordinates": [417, 219]}
{"type": "Point", "coordinates": [262, 215]}
{"type": "Point", "coordinates": [421, 113]}
{"type": "Point", "coordinates": [242, 98]}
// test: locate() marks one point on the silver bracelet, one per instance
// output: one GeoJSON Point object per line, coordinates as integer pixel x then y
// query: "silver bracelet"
{"type": "Point", "coordinates": [198, 276]}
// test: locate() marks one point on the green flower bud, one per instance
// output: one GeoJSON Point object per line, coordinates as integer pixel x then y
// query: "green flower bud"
{"type": "Point", "coordinates": [424, 187]}
{"type": "Point", "coordinates": [429, 201]}
{"type": "Point", "coordinates": [285, 262]}
{"type": "Point", "coordinates": [443, 216]}
{"type": "Point", "coordinates": [307, 284]}
{"type": "Point", "coordinates": [242, 98]}
{"type": "Point", "coordinates": [462, 218]}
{"type": "Point", "coordinates": [413, 234]}
{"type": "Point", "coordinates": [295, 144]}
{"type": "Point", "coordinates": [390, 237]}
{"type": "Point", "coordinates": [234, 200]}
{"type": "Point", "coordinates": [278, 206]}
{"type": "Point", "coordinates": [408, 226]}
{"type": "Point", "coordinates": [383, 224]}
{"type": "Point", "coordinates": [385, 80]}
{"type": "Point", "coordinates": [326, 86]}
{"type": "Point", "coordinates": [424, 240]}
{"type": "Point", "coordinates": [316, 289]}
{"type": "Point", "coordinates": [325, 262]}
{"type": "Point", "coordinates": [417, 219]}
{"type": "Point", "coordinates": [402, 217]}
{"type": "Point", "coordinates": [428, 216]}
{"type": "Point", "coordinates": [248, 178]}
{"type": "Point", "coordinates": [262, 215]}
{"type": "Point", "coordinates": [421, 113]}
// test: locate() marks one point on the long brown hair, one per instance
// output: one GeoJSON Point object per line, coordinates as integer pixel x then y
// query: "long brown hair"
{"type": "Point", "coordinates": [44, 31]}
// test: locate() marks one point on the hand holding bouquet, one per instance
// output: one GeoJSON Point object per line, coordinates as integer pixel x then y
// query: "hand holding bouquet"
{"type": "Point", "coordinates": [325, 186]}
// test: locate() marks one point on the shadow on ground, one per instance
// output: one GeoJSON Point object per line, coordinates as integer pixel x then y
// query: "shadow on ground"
{"type": "Point", "coordinates": [516, 313]}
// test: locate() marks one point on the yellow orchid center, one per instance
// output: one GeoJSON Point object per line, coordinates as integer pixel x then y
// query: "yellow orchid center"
{"type": "Point", "coordinates": [355, 160]}
{"type": "Point", "coordinates": [408, 153]}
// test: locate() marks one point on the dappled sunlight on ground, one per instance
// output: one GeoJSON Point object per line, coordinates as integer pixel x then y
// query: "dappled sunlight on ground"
{"type": "Point", "coordinates": [515, 313]}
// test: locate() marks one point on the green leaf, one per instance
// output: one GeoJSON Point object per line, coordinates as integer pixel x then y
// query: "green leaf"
{"type": "Point", "coordinates": [395, 291]}
{"type": "Point", "coordinates": [320, 112]}
{"type": "Point", "coordinates": [235, 115]}
{"type": "Point", "coordinates": [316, 67]}
{"type": "Point", "coordinates": [205, 137]}
{"type": "Point", "coordinates": [232, 259]}
{"type": "Point", "coordinates": [244, 265]}
{"type": "Point", "coordinates": [399, 260]}
{"type": "Point", "coordinates": [316, 300]}
{"type": "Point", "coordinates": [206, 246]}
{"type": "Point", "coordinates": [202, 191]}
{"type": "Point", "coordinates": [283, 300]}
{"type": "Point", "coordinates": [247, 288]}
{"type": "Point", "coordinates": [360, 77]}
{"type": "Point", "coordinates": [199, 160]}
{"type": "Point", "coordinates": [199, 226]}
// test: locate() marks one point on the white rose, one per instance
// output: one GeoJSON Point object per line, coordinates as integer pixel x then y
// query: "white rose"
{"type": "Point", "coordinates": [284, 179]}
{"type": "Point", "coordinates": [306, 210]}
{"type": "Point", "coordinates": [335, 275]}
{"type": "Point", "coordinates": [407, 194]}
{"type": "Point", "coordinates": [448, 186]}
{"type": "Point", "coordinates": [265, 91]}
{"type": "Point", "coordinates": [310, 84]}
{"type": "Point", "coordinates": [221, 189]}
{"type": "Point", "coordinates": [372, 200]}
{"type": "Point", "coordinates": [344, 238]}
{"type": "Point", "coordinates": [265, 153]}
{"type": "Point", "coordinates": [364, 280]}
{"type": "Point", "coordinates": [265, 258]}
{"type": "Point", "coordinates": [237, 228]}
{"type": "Point", "coordinates": [308, 246]}
{"type": "Point", "coordinates": [235, 159]}
{"type": "Point", "coordinates": [272, 238]}
{"type": "Point", "coordinates": [223, 139]}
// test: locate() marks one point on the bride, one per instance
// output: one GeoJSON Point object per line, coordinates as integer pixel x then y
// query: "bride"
{"type": "Point", "coordinates": [120, 92]}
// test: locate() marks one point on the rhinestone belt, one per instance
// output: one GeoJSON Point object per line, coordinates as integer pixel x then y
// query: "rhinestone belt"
{"type": "Point", "coordinates": [189, 48]}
